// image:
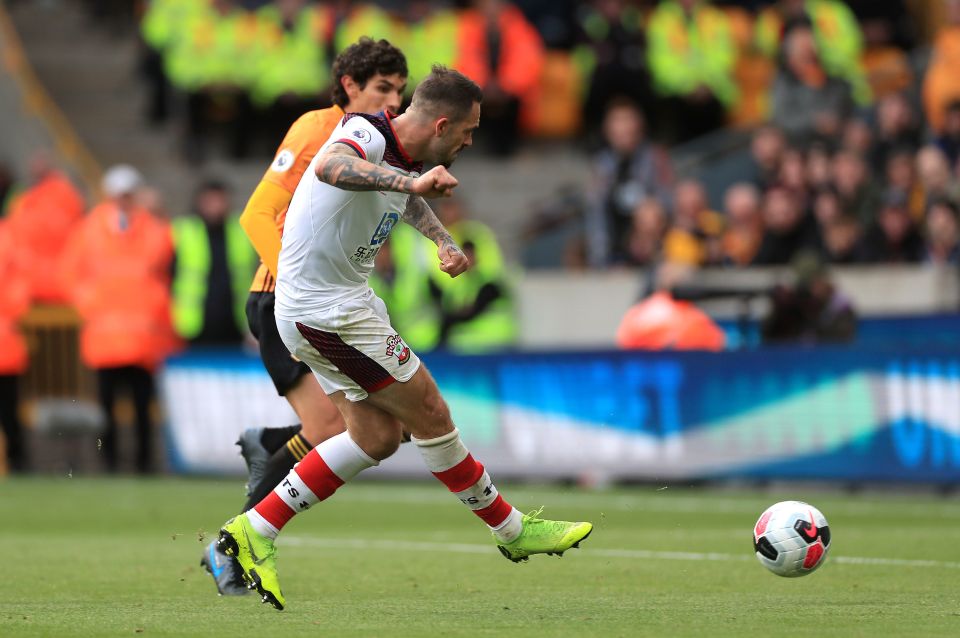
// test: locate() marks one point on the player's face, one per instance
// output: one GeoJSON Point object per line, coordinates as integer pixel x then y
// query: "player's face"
{"type": "Point", "coordinates": [380, 93]}
{"type": "Point", "coordinates": [456, 136]}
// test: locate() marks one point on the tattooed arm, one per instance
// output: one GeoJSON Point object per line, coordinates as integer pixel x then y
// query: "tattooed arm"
{"type": "Point", "coordinates": [341, 167]}
{"type": "Point", "coordinates": [419, 215]}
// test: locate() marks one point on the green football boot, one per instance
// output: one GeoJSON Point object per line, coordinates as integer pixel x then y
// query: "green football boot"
{"type": "Point", "coordinates": [257, 556]}
{"type": "Point", "coordinates": [541, 536]}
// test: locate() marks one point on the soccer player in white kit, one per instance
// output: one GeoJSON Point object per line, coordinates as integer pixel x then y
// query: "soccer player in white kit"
{"type": "Point", "coordinates": [366, 179]}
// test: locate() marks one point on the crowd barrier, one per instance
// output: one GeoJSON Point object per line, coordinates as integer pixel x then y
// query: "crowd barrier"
{"type": "Point", "coordinates": [845, 413]}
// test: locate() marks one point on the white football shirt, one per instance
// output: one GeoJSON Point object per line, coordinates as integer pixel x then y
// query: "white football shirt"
{"type": "Point", "coordinates": [332, 236]}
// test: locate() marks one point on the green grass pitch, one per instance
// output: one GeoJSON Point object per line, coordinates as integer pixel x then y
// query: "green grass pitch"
{"type": "Point", "coordinates": [87, 557]}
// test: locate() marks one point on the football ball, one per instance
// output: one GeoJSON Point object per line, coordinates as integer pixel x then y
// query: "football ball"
{"type": "Point", "coordinates": [791, 538]}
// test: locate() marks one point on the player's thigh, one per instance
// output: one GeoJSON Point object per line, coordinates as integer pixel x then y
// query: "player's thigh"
{"type": "Point", "coordinates": [319, 416]}
{"type": "Point", "coordinates": [417, 403]}
{"type": "Point", "coordinates": [376, 431]}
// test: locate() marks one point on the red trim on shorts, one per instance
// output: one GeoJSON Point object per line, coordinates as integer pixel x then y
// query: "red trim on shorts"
{"type": "Point", "coordinates": [274, 510]}
{"type": "Point", "coordinates": [462, 475]}
{"type": "Point", "coordinates": [364, 371]}
{"type": "Point", "coordinates": [353, 145]}
{"type": "Point", "coordinates": [317, 475]}
{"type": "Point", "coordinates": [496, 512]}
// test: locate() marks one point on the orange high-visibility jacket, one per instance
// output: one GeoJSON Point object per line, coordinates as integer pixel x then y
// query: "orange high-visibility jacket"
{"type": "Point", "coordinates": [659, 322]}
{"type": "Point", "coordinates": [119, 282]}
{"type": "Point", "coordinates": [521, 52]}
{"type": "Point", "coordinates": [14, 302]}
{"type": "Point", "coordinates": [41, 221]}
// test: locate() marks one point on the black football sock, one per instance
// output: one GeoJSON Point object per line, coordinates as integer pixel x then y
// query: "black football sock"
{"type": "Point", "coordinates": [278, 467]}
{"type": "Point", "coordinates": [273, 438]}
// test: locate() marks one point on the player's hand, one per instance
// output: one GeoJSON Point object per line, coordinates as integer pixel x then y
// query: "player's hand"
{"type": "Point", "coordinates": [436, 182]}
{"type": "Point", "coordinates": [452, 260]}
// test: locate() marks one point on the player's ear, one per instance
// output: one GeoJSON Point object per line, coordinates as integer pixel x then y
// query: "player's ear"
{"type": "Point", "coordinates": [441, 126]}
{"type": "Point", "coordinates": [350, 87]}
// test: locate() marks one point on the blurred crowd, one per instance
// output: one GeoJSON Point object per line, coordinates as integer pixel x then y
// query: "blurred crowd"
{"type": "Point", "coordinates": [547, 68]}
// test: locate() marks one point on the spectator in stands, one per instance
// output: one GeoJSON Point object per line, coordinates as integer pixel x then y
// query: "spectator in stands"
{"type": "Point", "coordinates": [827, 207]}
{"type": "Point", "coordinates": [357, 19]}
{"type": "Point", "coordinates": [894, 238]}
{"type": "Point", "coordinates": [943, 234]}
{"type": "Point", "coordinates": [766, 152]}
{"type": "Point", "coordinates": [744, 224]}
{"type": "Point", "coordinates": [477, 308]}
{"type": "Point", "coordinates": [793, 173]}
{"type": "Point", "coordinates": [842, 240]}
{"type": "Point", "coordinates": [936, 179]}
{"type": "Point", "coordinates": [430, 38]}
{"type": "Point", "coordinates": [817, 169]}
{"type": "Point", "coordinates": [8, 187]}
{"type": "Point", "coordinates": [163, 23]}
{"type": "Point", "coordinates": [213, 266]}
{"type": "Point", "coordinates": [694, 236]}
{"type": "Point", "coordinates": [213, 61]}
{"type": "Point", "coordinates": [888, 33]}
{"type": "Point", "coordinates": [116, 268]}
{"type": "Point", "coordinates": [650, 224]}
{"type": "Point", "coordinates": [941, 84]}
{"type": "Point", "coordinates": [857, 137]}
{"type": "Point", "coordinates": [810, 311]}
{"type": "Point", "coordinates": [897, 127]}
{"type": "Point", "coordinates": [901, 174]}
{"type": "Point", "coordinates": [42, 218]}
{"type": "Point", "coordinates": [611, 52]}
{"type": "Point", "coordinates": [806, 99]}
{"type": "Point", "coordinates": [502, 52]}
{"type": "Point", "coordinates": [627, 171]}
{"type": "Point", "coordinates": [14, 303]}
{"type": "Point", "coordinates": [837, 36]}
{"type": "Point", "coordinates": [691, 54]}
{"type": "Point", "coordinates": [858, 194]}
{"type": "Point", "coordinates": [789, 229]}
{"type": "Point", "coordinates": [292, 64]}
{"type": "Point", "coordinates": [949, 139]}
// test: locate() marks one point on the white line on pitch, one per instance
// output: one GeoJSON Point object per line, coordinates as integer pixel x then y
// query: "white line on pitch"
{"type": "Point", "coordinates": [467, 548]}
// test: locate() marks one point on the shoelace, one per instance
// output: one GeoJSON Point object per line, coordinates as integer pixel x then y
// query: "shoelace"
{"type": "Point", "coordinates": [553, 525]}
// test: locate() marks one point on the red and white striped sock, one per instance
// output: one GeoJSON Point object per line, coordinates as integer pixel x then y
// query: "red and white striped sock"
{"type": "Point", "coordinates": [324, 469]}
{"type": "Point", "coordinates": [452, 463]}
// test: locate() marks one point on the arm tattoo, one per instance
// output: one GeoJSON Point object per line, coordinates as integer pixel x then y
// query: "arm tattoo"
{"type": "Point", "coordinates": [419, 215]}
{"type": "Point", "coordinates": [346, 171]}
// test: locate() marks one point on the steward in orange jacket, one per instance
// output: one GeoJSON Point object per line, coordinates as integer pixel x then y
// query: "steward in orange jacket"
{"type": "Point", "coordinates": [503, 53]}
{"type": "Point", "coordinates": [14, 302]}
{"type": "Point", "coordinates": [117, 271]}
{"type": "Point", "coordinates": [41, 220]}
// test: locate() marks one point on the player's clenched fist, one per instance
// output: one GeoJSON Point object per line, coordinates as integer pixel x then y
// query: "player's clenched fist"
{"type": "Point", "coordinates": [452, 260]}
{"type": "Point", "coordinates": [437, 182]}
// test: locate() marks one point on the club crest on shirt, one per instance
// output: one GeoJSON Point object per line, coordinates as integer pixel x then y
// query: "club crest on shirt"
{"type": "Point", "coordinates": [397, 348]}
{"type": "Point", "coordinates": [283, 161]}
{"type": "Point", "coordinates": [363, 135]}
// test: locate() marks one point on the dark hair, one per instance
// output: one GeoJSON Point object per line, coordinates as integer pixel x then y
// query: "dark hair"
{"type": "Point", "coordinates": [446, 92]}
{"type": "Point", "coordinates": [212, 184]}
{"type": "Point", "coordinates": [363, 60]}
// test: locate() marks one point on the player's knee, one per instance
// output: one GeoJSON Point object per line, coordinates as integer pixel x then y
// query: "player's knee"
{"type": "Point", "coordinates": [380, 444]}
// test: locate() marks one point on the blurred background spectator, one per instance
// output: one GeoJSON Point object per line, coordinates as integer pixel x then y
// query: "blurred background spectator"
{"type": "Point", "coordinates": [628, 170]}
{"type": "Point", "coordinates": [14, 302]}
{"type": "Point", "coordinates": [42, 218]}
{"type": "Point", "coordinates": [810, 310]}
{"type": "Point", "coordinates": [116, 271]}
{"type": "Point", "coordinates": [213, 265]}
